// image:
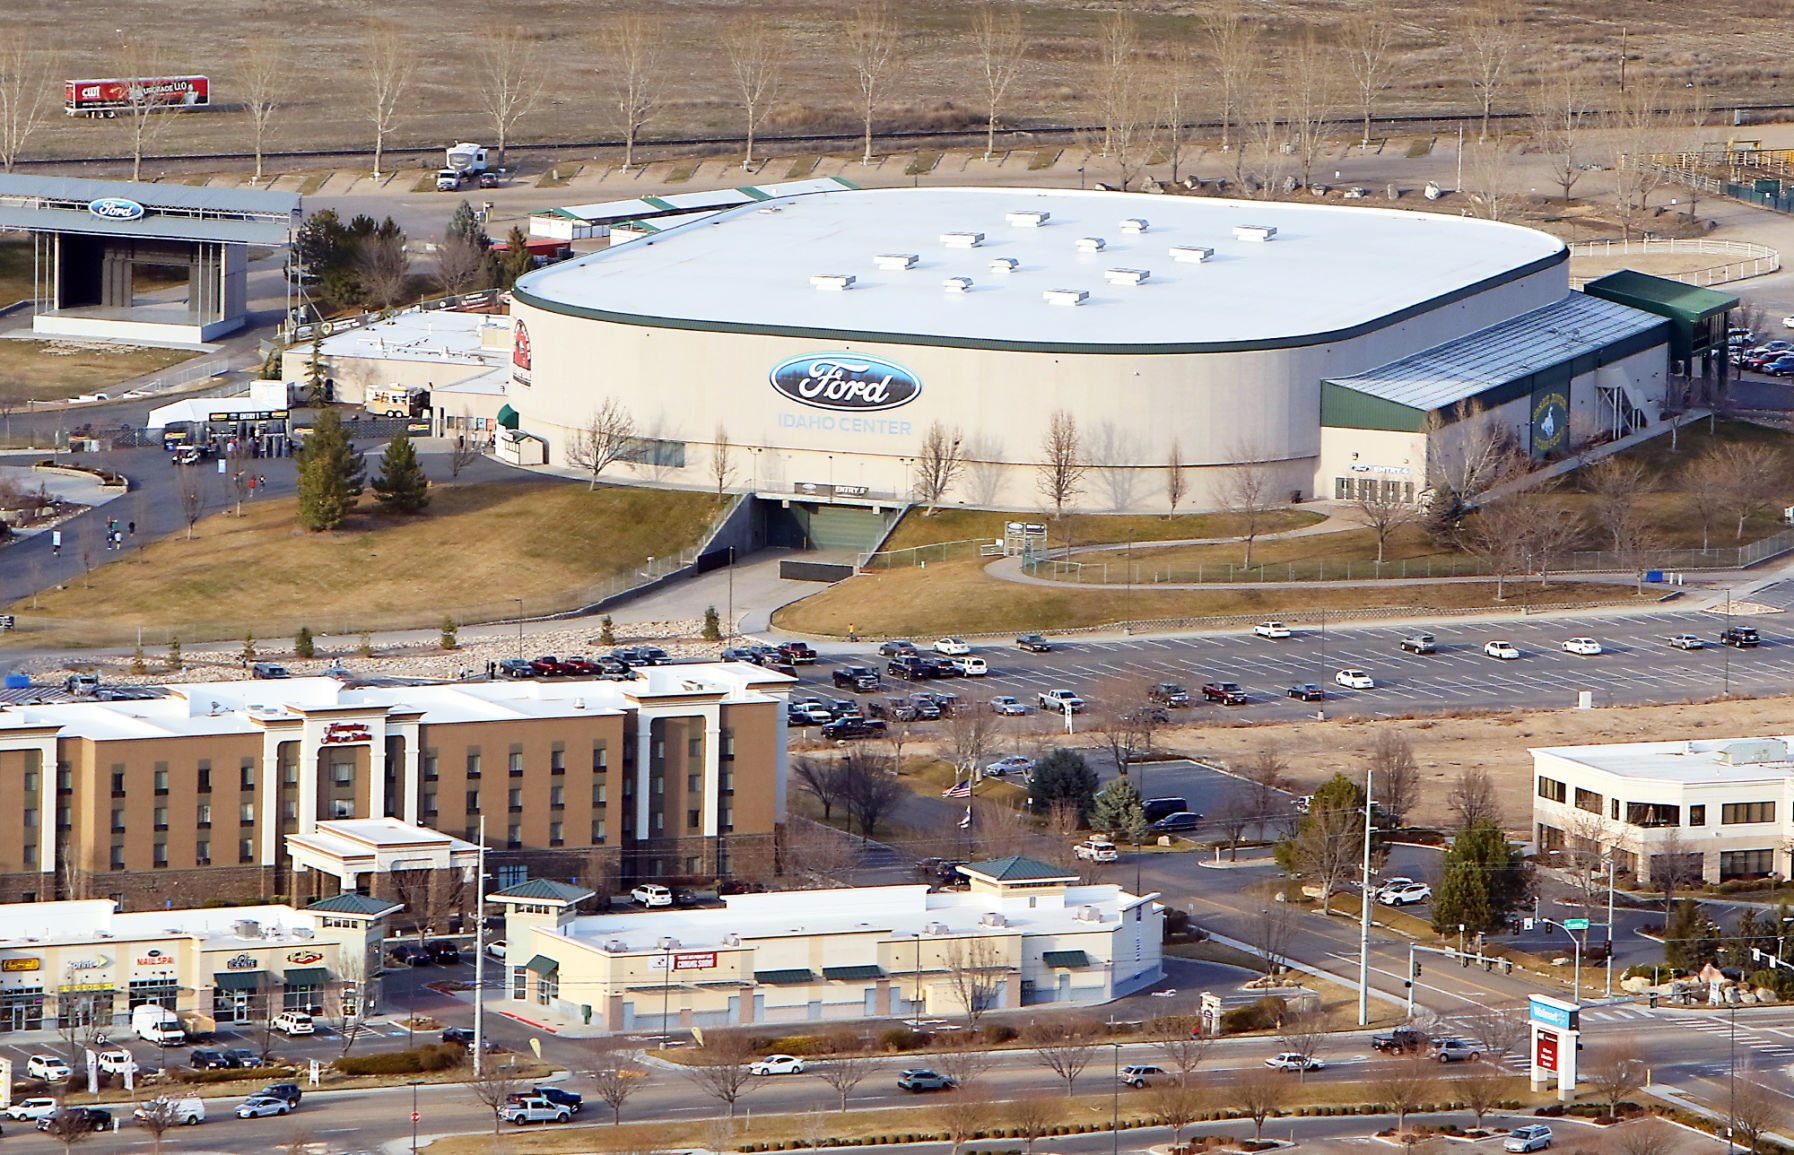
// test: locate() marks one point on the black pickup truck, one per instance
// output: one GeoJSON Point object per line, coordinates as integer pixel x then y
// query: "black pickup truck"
{"type": "Point", "coordinates": [1400, 1041]}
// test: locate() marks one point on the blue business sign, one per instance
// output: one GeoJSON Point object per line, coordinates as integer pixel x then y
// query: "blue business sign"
{"type": "Point", "coordinates": [115, 209]}
{"type": "Point", "coordinates": [845, 381]}
{"type": "Point", "coordinates": [1548, 1012]}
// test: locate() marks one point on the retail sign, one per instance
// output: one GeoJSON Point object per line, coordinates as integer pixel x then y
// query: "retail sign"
{"type": "Point", "coordinates": [154, 958]}
{"type": "Point", "coordinates": [242, 962]}
{"type": "Point", "coordinates": [1555, 1013]}
{"type": "Point", "coordinates": [520, 353]}
{"type": "Point", "coordinates": [346, 733]}
{"type": "Point", "coordinates": [10, 965]}
{"type": "Point", "coordinates": [87, 964]}
{"type": "Point", "coordinates": [1546, 1057]}
{"type": "Point", "coordinates": [846, 381]}
{"type": "Point", "coordinates": [115, 209]}
{"type": "Point", "coordinates": [304, 957]}
{"type": "Point", "coordinates": [683, 962]}
{"type": "Point", "coordinates": [1389, 470]}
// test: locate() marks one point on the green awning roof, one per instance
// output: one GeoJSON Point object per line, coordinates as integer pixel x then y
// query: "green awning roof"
{"type": "Point", "coordinates": [786, 978]}
{"type": "Point", "coordinates": [507, 417]}
{"type": "Point", "coordinates": [307, 976]}
{"type": "Point", "coordinates": [1070, 959]}
{"type": "Point", "coordinates": [1660, 295]}
{"type": "Point", "coordinates": [542, 965]}
{"type": "Point", "coordinates": [853, 973]}
{"type": "Point", "coordinates": [240, 980]}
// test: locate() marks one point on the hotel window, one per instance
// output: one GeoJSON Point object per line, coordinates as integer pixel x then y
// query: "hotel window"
{"type": "Point", "coordinates": [161, 778]}
{"type": "Point", "coordinates": [694, 783]}
{"type": "Point", "coordinates": [64, 818]}
{"type": "Point", "coordinates": [599, 793]}
{"type": "Point", "coordinates": [513, 836]}
{"type": "Point", "coordinates": [473, 762]}
{"type": "Point", "coordinates": [554, 834]}
{"type": "Point", "coordinates": [557, 758]}
{"type": "Point", "coordinates": [726, 820]}
{"type": "Point", "coordinates": [159, 854]}
{"type": "Point", "coordinates": [118, 820]}
{"type": "Point", "coordinates": [516, 761]}
{"type": "Point", "coordinates": [429, 802]}
{"type": "Point", "coordinates": [693, 819]}
{"type": "Point", "coordinates": [118, 783]}
{"type": "Point", "coordinates": [342, 773]}
{"type": "Point", "coordinates": [514, 800]}
{"type": "Point", "coordinates": [246, 775]}
{"type": "Point", "coordinates": [1551, 790]}
{"type": "Point", "coordinates": [204, 814]}
{"type": "Point", "coordinates": [600, 757]}
{"type": "Point", "coordinates": [597, 832]}
{"type": "Point", "coordinates": [204, 776]}
{"type": "Point", "coordinates": [657, 821]}
{"type": "Point", "coordinates": [246, 813]}
{"type": "Point", "coordinates": [118, 858]}
{"type": "Point", "coordinates": [30, 817]}
{"type": "Point", "coordinates": [1588, 800]}
{"type": "Point", "coordinates": [161, 817]}
{"type": "Point", "coordinates": [429, 761]}
{"type": "Point", "coordinates": [202, 853]}
{"type": "Point", "coordinates": [342, 808]}
{"type": "Point", "coordinates": [694, 747]}
{"type": "Point", "coordinates": [289, 811]}
{"type": "Point", "coordinates": [557, 797]}
{"type": "Point", "coordinates": [728, 739]}
{"type": "Point", "coordinates": [657, 785]}
{"type": "Point", "coordinates": [1735, 813]}
{"type": "Point", "coordinates": [245, 850]}
{"type": "Point", "coordinates": [1697, 816]}
{"type": "Point", "coordinates": [30, 781]}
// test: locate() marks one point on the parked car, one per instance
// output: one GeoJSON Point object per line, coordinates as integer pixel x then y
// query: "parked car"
{"type": "Point", "coordinates": [1140, 1074]}
{"type": "Point", "coordinates": [736, 654]}
{"type": "Point", "coordinates": [1587, 647]}
{"type": "Point", "coordinates": [1504, 650]}
{"type": "Point", "coordinates": [1157, 808]}
{"type": "Point", "coordinates": [917, 1080]}
{"type": "Point", "coordinates": [1060, 701]}
{"type": "Point", "coordinates": [658, 657]}
{"type": "Point", "coordinates": [187, 1111]}
{"type": "Point", "coordinates": [49, 1068]}
{"type": "Point", "coordinates": [911, 669]}
{"type": "Point", "coordinates": [1355, 680]}
{"type": "Point", "coordinates": [651, 894]}
{"type": "Point", "coordinates": [1686, 642]}
{"type": "Point", "coordinates": [1406, 895]}
{"type": "Point", "coordinates": [952, 647]}
{"type": "Point", "coordinates": [1274, 630]}
{"type": "Point", "coordinates": [946, 701]}
{"type": "Point", "coordinates": [293, 1023]}
{"type": "Point", "coordinates": [860, 679]}
{"type": "Point", "coordinates": [970, 667]}
{"type": "Point", "coordinates": [36, 1107]}
{"type": "Point", "coordinates": [243, 1058]}
{"type": "Point", "coordinates": [777, 1065]}
{"type": "Point", "coordinates": [1010, 764]}
{"type": "Point", "coordinates": [89, 1118]}
{"type": "Point", "coordinates": [842, 729]}
{"type": "Point", "coordinates": [1294, 1061]}
{"type": "Point", "coordinates": [1095, 850]}
{"type": "Point", "coordinates": [1744, 637]}
{"type": "Point", "coordinates": [1306, 692]}
{"type": "Point", "coordinates": [897, 648]}
{"type": "Point", "coordinates": [812, 712]}
{"type": "Point", "coordinates": [1226, 693]}
{"type": "Point", "coordinates": [496, 949]}
{"type": "Point", "coordinates": [1168, 694]}
{"type": "Point", "coordinates": [261, 1106]}
{"type": "Point", "coordinates": [1523, 1139]}
{"type": "Point", "coordinates": [409, 954]}
{"type": "Point", "coordinates": [515, 668]}
{"type": "Point", "coordinates": [1007, 706]}
{"type": "Point", "coordinates": [1420, 644]}
{"type": "Point", "coordinates": [267, 670]}
{"type": "Point", "coordinates": [797, 653]}
{"type": "Point", "coordinates": [1034, 644]}
{"type": "Point", "coordinates": [207, 1059]}
{"type": "Point", "coordinates": [1172, 823]}
{"type": "Point", "coordinates": [549, 666]}
{"type": "Point", "coordinates": [115, 1060]}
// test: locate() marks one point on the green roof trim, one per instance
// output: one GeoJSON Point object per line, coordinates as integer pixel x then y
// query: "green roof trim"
{"type": "Point", "coordinates": [542, 965]}
{"type": "Point", "coordinates": [1068, 959]}
{"type": "Point", "coordinates": [853, 974]}
{"type": "Point", "coordinates": [359, 905]}
{"type": "Point", "coordinates": [1015, 868]}
{"type": "Point", "coordinates": [1345, 408]}
{"type": "Point", "coordinates": [757, 193]}
{"type": "Point", "coordinates": [507, 417]}
{"type": "Point", "coordinates": [543, 890]}
{"type": "Point", "coordinates": [1660, 295]}
{"type": "Point", "coordinates": [795, 977]}
{"type": "Point", "coordinates": [306, 976]}
{"type": "Point", "coordinates": [240, 980]}
{"type": "Point", "coordinates": [662, 204]}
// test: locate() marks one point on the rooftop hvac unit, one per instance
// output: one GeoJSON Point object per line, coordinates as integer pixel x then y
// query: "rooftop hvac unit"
{"type": "Point", "coordinates": [246, 928]}
{"type": "Point", "coordinates": [957, 284]}
{"type": "Point", "coordinates": [1134, 225]}
{"type": "Point", "coordinates": [962, 240]}
{"type": "Point", "coordinates": [994, 918]}
{"type": "Point", "coordinates": [1004, 265]}
{"type": "Point", "coordinates": [832, 282]}
{"type": "Point", "coordinates": [616, 946]}
{"type": "Point", "coordinates": [1753, 752]}
{"type": "Point", "coordinates": [1126, 276]}
{"type": "Point", "coordinates": [1192, 253]}
{"type": "Point", "coordinates": [1091, 244]}
{"type": "Point", "coordinates": [935, 928]}
{"type": "Point", "coordinates": [669, 944]}
{"type": "Point", "coordinates": [731, 939]}
{"type": "Point", "coordinates": [1254, 232]}
{"type": "Point", "coordinates": [895, 260]}
{"type": "Point", "coordinates": [1066, 296]}
{"type": "Point", "coordinates": [1027, 218]}
{"type": "Point", "coordinates": [303, 932]}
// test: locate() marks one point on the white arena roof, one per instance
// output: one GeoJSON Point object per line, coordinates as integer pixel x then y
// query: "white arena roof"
{"type": "Point", "coordinates": [1328, 271]}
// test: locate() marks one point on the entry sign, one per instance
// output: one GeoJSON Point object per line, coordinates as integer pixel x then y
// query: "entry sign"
{"type": "Point", "coordinates": [1575, 924]}
{"type": "Point", "coordinates": [1555, 1013]}
{"type": "Point", "coordinates": [1547, 1056]}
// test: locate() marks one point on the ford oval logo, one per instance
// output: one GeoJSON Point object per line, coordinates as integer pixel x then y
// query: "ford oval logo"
{"type": "Point", "coordinates": [115, 209]}
{"type": "Point", "coordinates": [851, 381]}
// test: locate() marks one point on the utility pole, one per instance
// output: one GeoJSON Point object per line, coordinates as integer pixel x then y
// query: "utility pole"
{"type": "Point", "coordinates": [1609, 927]}
{"type": "Point", "coordinates": [1364, 913]}
{"type": "Point", "coordinates": [479, 950]}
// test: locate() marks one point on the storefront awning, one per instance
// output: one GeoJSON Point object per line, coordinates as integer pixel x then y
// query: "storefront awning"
{"type": "Point", "coordinates": [852, 974]}
{"type": "Point", "coordinates": [240, 980]}
{"type": "Point", "coordinates": [786, 978]}
{"type": "Point", "coordinates": [507, 417]}
{"type": "Point", "coordinates": [307, 976]}
{"type": "Point", "coordinates": [542, 965]}
{"type": "Point", "coordinates": [1069, 959]}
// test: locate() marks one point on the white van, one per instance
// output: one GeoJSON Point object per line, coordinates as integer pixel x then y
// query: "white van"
{"type": "Point", "coordinates": [186, 1112]}
{"type": "Point", "coordinates": [156, 1024]}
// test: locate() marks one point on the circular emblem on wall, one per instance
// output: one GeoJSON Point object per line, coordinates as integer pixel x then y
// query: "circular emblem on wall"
{"type": "Point", "coordinates": [848, 381]}
{"type": "Point", "coordinates": [115, 209]}
{"type": "Point", "coordinates": [1550, 422]}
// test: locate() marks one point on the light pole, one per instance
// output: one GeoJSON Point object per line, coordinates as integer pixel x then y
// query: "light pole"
{"type": "Point", "coordinates": [1115, 1102]}
{"type": "Point", "coordinates": [479, 955]}
{"type": "Point", "coordinates": [519, 602]}
{"type": "Point", "coordinates": [1725, 648]}
{"type": "Point", "coordinates": [414, 1117]}
{"type": "Point", "coordinates": [1609, 993]}
{"type": "Point", "coordinates": [1364, 913]}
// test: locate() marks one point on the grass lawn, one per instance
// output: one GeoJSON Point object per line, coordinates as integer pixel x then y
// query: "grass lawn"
{"type": "Point", "coordinates": [15, 271]}
{"type": "Point", "coordinates": [918, 528]}
{"type": "Point", "coordinates": [959, 598]}
{"type": "Point", "coordinates": [48, 370]}
{"type": "Point", "coordinates": [549, 544]}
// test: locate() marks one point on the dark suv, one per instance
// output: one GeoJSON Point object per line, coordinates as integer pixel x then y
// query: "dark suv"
{"type": "Point", "coordinates": [287, 1092]}
{"type": "Point", "coordinates": [1744, 637]}
{"type": "Point", "coordinates": [207, 1059]}
{"type": "Point", "coordinates": [913, 669]}
{"type": "Point", "coordinates": [860, 679]}
{"type": "Point", "coordinates": [1169, 694]}
{"type": "Point", "coordinates": [443, 951]}
{"type": "Point", "coordinates": [1226, 693]}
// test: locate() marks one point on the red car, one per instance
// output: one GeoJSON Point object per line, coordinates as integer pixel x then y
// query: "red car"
{"type": "Point", "coordinates": [548, 666]}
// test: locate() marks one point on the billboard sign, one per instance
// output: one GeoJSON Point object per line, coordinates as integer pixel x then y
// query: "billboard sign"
{"type": "Point", "coordinates": [113, 94]}
{"type": "Point", "coordinates": [520, 353]}
{"type": "Point", "coordinates": [853, 382]}
{"type": "Point", "coordinates": [1550, 422]}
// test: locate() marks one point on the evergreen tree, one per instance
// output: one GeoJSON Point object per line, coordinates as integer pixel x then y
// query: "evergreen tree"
{"type": "Point", "coordinates": [248, 654]}
{"type": "Point", "coordinates": [315, 391]}
{"type": "Point", "coordinates": [464, 225]}
{"type": "Point", "coordinates": [330, 473]}
{"type": "Point", "coordinates": [1063, 776]}
{"type": "Point", "coordinates": [451, 634]}
{"type": "Point", "coordinates": [517, 257]}
{"type": "Point", "coordinates": [1690, 941]}
{"type": "Point", "coordinates": [303, 646]}
{"type": "Point", "coordinates": [607, 631]}
{"type": "Point", "coordinates": [174, 653]}
{"type": "Point", "coordinates": [401, 485]}
{"type": "Point", "coordinates": [1484, 880]}
{"type": "Point", "coordinates": [713, 625]}
{"type": "Point", "coordinates": [1118, 811]}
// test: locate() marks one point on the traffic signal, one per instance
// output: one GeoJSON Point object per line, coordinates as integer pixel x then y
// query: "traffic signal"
{"type": "Point", "coordinates": [1413, 968]}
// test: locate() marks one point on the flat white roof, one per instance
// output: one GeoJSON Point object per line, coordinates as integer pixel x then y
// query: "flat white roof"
{"type": "Point", "coordinates": [86, 920]}
{"type": "Point", "coordinates": [1707, 762]}
{"type": "Point", "coordinates": [423, 335]}
{"type": "Point", "coordinates": [1328, 269]}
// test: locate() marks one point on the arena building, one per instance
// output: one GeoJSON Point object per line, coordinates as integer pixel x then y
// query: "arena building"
{"type": "Point", "coordinates": [824, 335]}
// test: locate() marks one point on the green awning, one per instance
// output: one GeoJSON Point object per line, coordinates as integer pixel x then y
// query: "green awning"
{"type": "Point", "coordinates": [240, 980]}
{"type": "Point", "coordinates": [307, 976]}
{"type": "Point", "coordinates": [1069, 959]}
{"type": "Point", "coordinates": [850, 974]}
{"type": "Point", "coordinates": [786, 978]}
{"type": "Point", "coordinates": [507, 417]}
{"type": "Point", "coordinates": [542, 965]}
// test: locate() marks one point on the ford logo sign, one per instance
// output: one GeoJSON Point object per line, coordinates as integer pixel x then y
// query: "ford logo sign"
{"type": "Point", "coordinates": [115, 209]}
{"type": "Point", "coordinates": [851, 381]}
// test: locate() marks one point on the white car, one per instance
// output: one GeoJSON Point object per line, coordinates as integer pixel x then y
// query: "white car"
{"type": "Point", "coordinates": [40, 1107]}
{"type": "Point", "coordinates": [652, 894]}
{"type": "Point", "coordinates": [116, 1061]}
{"type": "Point", "coordinates": [777, 1065]}
{"type": "Point", "coordinates": [1095, 850]}
{"type": "Point", "coordinates": [1007, 706]}
{"type": "Point", "coordinates": [1788, 322]}
{"type": "Point", "coordinates": [1294, 1061]}
{"type": "Point", "coordinates": [971, 667]}
{"type": "Point", "coordinates": [290, 1023]}
{"type": "Point", "coordinates": [952, 647]}
{"type": "Point", "coordinates": [1275, 630]}
{"type": "Point", "coordinates": [1355, 680]}
{"type": "Point", "coordinates": [496, 949]}
{"type": "Point", "coordinates": [1506, 651]}
{"type": "Point", "coordinates": [1405, 895]}
{"type": "Point", "coordinates": [1587, 647]}
{"type": "Point", "coordinates": [1011, 764]}
{"type": "Point", "coordinates": [1522, 1139]}
{"type": "Point", "coordinates": [49, 1068]}
{"type": "Point", "coordinates": [257, 1106]}
{"type": "Point", "coordinates": [1686, 642]}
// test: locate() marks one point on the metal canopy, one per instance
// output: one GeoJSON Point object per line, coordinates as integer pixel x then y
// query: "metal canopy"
{"type": "Point", "coordinates": [179, 198]}
{"type": "Point", "coordinates": [240, 980]}
{"type": "Point", "coordinates": [230, 232]}
{"type": "Point", "coordinates": [169, 212]}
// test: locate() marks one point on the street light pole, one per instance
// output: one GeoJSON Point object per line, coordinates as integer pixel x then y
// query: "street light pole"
{"type": "Point", "coordinates": [1609, 993]}
{"type": "Point", "coordinates": [479, 951]}
{"type": "Point", "coordinates": [1115, 1104]}
{"type": "Point", "coordinates": [1364, 913]}
{"type": "Point", "coordinates": [519, 602]}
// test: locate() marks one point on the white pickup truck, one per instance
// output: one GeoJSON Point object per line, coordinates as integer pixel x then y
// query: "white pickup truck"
{"type": "Point", "coordinates": [535, 1110]}
{"type": "Point", "coordinates": [1060, 701]}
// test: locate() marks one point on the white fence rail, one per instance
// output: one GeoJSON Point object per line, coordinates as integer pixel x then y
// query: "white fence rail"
{"type": "Point", "coordinates": [1740, 260]}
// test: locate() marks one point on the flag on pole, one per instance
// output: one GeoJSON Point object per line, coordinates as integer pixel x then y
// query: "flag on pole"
{"type": "Point", "coordinates": [958, 790]}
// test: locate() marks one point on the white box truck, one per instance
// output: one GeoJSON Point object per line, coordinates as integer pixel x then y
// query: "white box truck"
{"type": "Point", "coordinates": [156, 1024]}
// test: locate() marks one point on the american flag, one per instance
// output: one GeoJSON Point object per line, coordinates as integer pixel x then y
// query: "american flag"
{"type": "Point", "coordinates": [958, 790]}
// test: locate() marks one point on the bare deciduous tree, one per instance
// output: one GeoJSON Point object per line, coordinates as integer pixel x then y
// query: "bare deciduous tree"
{"type": "Point", "coordinates": [145, 111]}
{"type": "Point", "coordinates": [1001, 46]}
{"type": "Point", "coordinates": [510, 76]}
{"type": "Point", "coordinates": [869, 788]}
{"type": "Point", "coordinates": [755, 51]}
{"type": "Point", "coordinates": [938, 464]}
{"type": "Point", "coordinates": [28, 72]}
{"type": "Point", "coordinates": [1176, 481]}
{"type": "Point", "coordinates": [846, 1072]}
{"type": "Point", "coordinates": [190, 488]}
{"type": "Point", "coordinates": [722, 460]}
{"type": "Point", "coordinates": [630, 51]}
{"type": "Point", "coordinates": [1313, 98]}
{"type": "Point", "coordinates": [975, 974]}
{"type": "Point", "coordinates": [1469, 452]}
{"type": "Point", "coordinates": [1613, 1071]}
{"type": "Point", "coordinates": [1395, 775]}
{"type": "Point", "coordinates": [1561, 114]}
{"type": "Point", "coordinates": [465, 451]}
{"type": "Point", "coordinates": [963, 1115]}
{"type": "Point", "coordinates": [1176, 1103]}
{"type": "Point", "coordinates": [1273, 929]}
{"type": "Point", "coordinates": [1247, 492]}
{"type": "Point", "coordinates": [1063, 465]}
{"type": "Point", "coordinates": [605, 438]}
{"type": "Point", "coordinates": [157, 1116]}
{"type": "Point", "coordinates": [1032, 1117]}
{"type": "Point", "coordinates": [1367, 37]}
{"type": "Point", "coordinates": [1473, 801]}
{"type": "Point", "coordinates": [1483, 1089]}
{"type": "Point", "coordinates": [821, 779]}
{"type": "Point", "coordinates": [493, 1088]}
{"type": "Point", "coordinates": [617, 1073]}
{"type": "Point", "coordinates": [1230, 39]}
{"type": "Point", "coordinates": [265, 76]}
{"type": "Point", "coordinates": [461, 264]}
{"type": "Point", "coordinates": [1757, 1109]}
{"type": "Point", "coordinates": [1063, 1047]}
{"type": "Point", "coordinates": [1261, 1093]}
{"type": "Point", "coordinates": [874, 47]}
{"type": "Point", "coordinates": [1403, 1082]}
{"type": "Point", "coordinates": [1644, 120]}
{"type": "Point", "coordinates": [1382, 506]}
{"type": "Point", "coordinates": [816, 857]}
{"type": "Point", "coordinates": [1489, 33]}
{"type": "Point", "coordinates": [970, 735]}
{"type": "Point", "coordinates": [384, 269]}
{"type": "Point", "coordinates": [1123, 94]}
{"type": "Point", "coordinates": [387, 63]}
{"type": "Point", "coordinates": [720, 1068]}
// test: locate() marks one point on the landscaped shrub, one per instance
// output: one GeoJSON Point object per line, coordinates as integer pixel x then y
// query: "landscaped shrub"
{"type": "Point", "coordinates": [994, 1033]}
{"type": "Point", "coordinates": [231, 1076]}
{"type": "Point", "coordinates": [1261, 1015]}
{"type": "Point", "coordinates": [795, 1045]}
{"type": "Point", "coordinates": [902, 1039]}
{"type": "Point", "coordinates": [431, 1057]}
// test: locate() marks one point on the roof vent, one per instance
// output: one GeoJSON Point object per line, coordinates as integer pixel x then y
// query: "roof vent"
{"type": "Point", "coordinates": [731, 939]}
{"type": "Point", "coordinates": [1134, 225]}
{"type": "Point", "coordinates": [833, 282]}
{"type": "Point", "coordinates": [616, 946]}
{"type": "Point", "coordinates": [1126, 276]}
{"type": "Point", "coordinates": [935, 928]}
{"type": "Point", "coordinates": [957, 284]}
{"type": "Point", "coordinates": [1005, 265]}
{"type": "Point", "coordinates": [1254, 232]}
{"type": "Point", "coordinates": [1091, 244]}
{"type": "Point", "coordinates": [1028, 218]}
{"type": "Point", "coordinates": [962, 240]}
{"type": "Point", "coordinates": [895, 260]}
{"type": "Point", "coordinates": [1753, 752]}
{"type": "Point", "coordinates": [1089, 914]}
{"type": "Point", "coordinates": [1191, 253]}
{"type": "Point", "coordinates": [303, 932]}
{"type": "Point", "coordinates": [1065, 296]}
{"type": "Point", "coordinates": [993, 918]}
{"type": "Point", "coordinates": [669, 943]}
{"type": "Point", "coordinates": [247, 928]}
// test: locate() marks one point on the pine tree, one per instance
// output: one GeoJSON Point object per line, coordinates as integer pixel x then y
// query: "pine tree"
{"type": "Point", "coordinates": [302, 643]}
{"type": "Point", "coordinates": [517, 258]}
{"type": "Point", "coordinates": [138, 664]}
{"type": "Point", "coordinates": [366, 649]}
{"type": "Point", "coordinates": [314, 373]}
{"type": "Point", "coordinates": [451, 635]}
{"type": "Point", "coordinates": [464, 225]}
{"type": "Point", "coordinates": [1063, 776]}
{"type": "Point", "coordinates": [248, 655]}
{"type": "Point", "coordinates": [713, 625]}
{"type": "Point", "coordinates": [174, 653]}
{"type": "Point", "coordinates": [401, 485]}
{"type": "Point", "coordinates": [1484, 880]}
{"type": "Point", "coordinates": [1118, 811]}
{"type": "Point", "coordinates": [607, 631]}
{"type": "Point", "coordinates": [1691, 940]}
{"type": "Point", "coordinates": [330, 473]}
